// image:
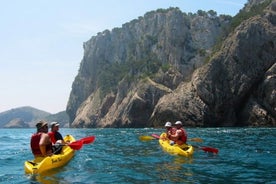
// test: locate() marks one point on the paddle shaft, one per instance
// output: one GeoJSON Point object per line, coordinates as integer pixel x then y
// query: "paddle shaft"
{"type": "Point", "coordinates": [76, 145]}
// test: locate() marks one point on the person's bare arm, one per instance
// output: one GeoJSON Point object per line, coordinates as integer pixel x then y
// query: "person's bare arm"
{"type": "Point", "coordinates": [44, 140]}
{"type": "Point", "coordinates": [176, 135]}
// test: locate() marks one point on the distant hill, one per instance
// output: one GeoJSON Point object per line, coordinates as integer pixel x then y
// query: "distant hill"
{"type": "Point", "coordinates": [16, 123]}
{"type": "Point", "coordinates": [61, 117]}
{"type": "Point", "coordinates": [29, 115]}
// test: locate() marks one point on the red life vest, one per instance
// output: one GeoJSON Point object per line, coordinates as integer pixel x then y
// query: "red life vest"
{"type": "Point", "coordinates": [35, 144]}
{"type": "Point", "coordinates": [52, 136]}
{"type": "Point", "coordinates": [183, 136]}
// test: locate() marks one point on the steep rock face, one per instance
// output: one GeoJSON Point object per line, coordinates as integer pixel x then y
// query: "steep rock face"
{"type": "Point", "coordinates": [161, 51]}
{"type": "Point", "coordinates": [261, 107]}
{"type": "Point", "coordinates": [163, 37]}
{"type": "Point", "coordinates": [123, 109]}
{"type": "Point", "coordinates": [237, 87]}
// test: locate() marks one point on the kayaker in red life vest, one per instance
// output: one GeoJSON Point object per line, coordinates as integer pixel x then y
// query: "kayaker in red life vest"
{"type": "Point", "coordinates": [41, 144]}
{"type": "Point", "coordinates": [180, 135]}
{"type": "Point", "coordinates": [56, 138]}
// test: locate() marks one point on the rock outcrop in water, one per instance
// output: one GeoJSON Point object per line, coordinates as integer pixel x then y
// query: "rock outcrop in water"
{"type": "Point", "coordinates": [154, 69]}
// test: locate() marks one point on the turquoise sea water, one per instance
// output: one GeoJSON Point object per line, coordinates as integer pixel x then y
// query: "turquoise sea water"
{"type": "Point", "coordinates": [246, 155]}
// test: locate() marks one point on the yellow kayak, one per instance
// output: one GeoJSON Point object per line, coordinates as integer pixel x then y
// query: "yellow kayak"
{"type": "Point", "coordinates": [184, 150]}
{"type": "Point", "coordinates": [41, 164]}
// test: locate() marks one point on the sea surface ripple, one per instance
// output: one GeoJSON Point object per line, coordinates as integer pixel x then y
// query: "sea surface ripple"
{"type": "Point", "coordinates": [246, 155]}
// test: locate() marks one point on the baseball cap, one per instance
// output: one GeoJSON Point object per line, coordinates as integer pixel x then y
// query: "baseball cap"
{"type": "Point", "coordinates": [168, 124]}
{"type": "Point", "coordinates": [54, 124]}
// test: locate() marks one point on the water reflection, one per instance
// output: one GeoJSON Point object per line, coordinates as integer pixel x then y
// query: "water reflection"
{"type": "Point", "coordinates": [183, 160]}
{"type": "Point", "coordinates": [175, 170]}
{"type": "Point", "coordinates": [47, 177]}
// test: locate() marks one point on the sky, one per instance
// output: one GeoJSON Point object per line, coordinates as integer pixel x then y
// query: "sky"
{"type": "Point", "coordinates": [41, 42]}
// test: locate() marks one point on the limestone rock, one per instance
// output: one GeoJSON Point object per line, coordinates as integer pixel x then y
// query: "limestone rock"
{"type": "Point", "coordinates": [239, 80]}
{"type": "Point", "coordinates": [163, 67]}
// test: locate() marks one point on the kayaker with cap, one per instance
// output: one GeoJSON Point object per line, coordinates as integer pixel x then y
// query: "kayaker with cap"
{"type": "Point", "coordinates": [41, 144]}
{"type": "Point", "coordinates": [180, 135]}
{"type": "Point", "coordinates": [56, 138]}
{"type": "Point", "coordinates": [169, 129]}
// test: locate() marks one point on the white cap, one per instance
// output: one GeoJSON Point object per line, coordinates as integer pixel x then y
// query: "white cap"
{"type": "Point", "coordinates": [168, 124]}
{"type": "Point", "coordinates": [54, 124]}
{"type": "Point", "coordinates": [178, 123]}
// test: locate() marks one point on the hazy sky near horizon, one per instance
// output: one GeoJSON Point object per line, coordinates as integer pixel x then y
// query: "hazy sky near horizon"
{"type": "Point", "coordinates": [41, 42]}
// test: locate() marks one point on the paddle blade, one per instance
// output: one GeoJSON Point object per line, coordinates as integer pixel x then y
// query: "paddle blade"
{"type": "Point", "coordinates": [88, 140]}
{"type": "Point", "coordinates": [196, 139]}
{"type": "Point", "coordinates": [208, 149]}
{"type": "Point", "coordinates": [146, 138]}
{"type": "Point", "coordinates": [77, 145]}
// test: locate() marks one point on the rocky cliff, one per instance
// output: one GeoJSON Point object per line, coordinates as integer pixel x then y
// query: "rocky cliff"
{"type": "Point", "coordinates": [163, 66]}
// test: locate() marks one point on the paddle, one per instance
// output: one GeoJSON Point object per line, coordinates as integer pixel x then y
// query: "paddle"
{"type": "Point", "coordinates": [88, 140]}
{"type": "Point", "coordinates": [204, 148]}
{"type": "Point", "coordinates": [207, 149]}
{"type": "Point", "coordinates": [76, 145]}
{"type": "Point", "coordinates": [155, 136]}
{"type": "Point", "coordinates": [196, 139]}
{"type": "Point", "coordinates": [146, 138]}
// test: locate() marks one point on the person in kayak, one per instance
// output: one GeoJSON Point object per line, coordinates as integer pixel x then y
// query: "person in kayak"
{"type": "Point", "coordinates": [170, 131]}
{"type": "Point", "coordinates": [41, 144]}
{"type": "Point", "coordinates": [180, 135]}
{"type": "Point", "coordinates": [56, 138]}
